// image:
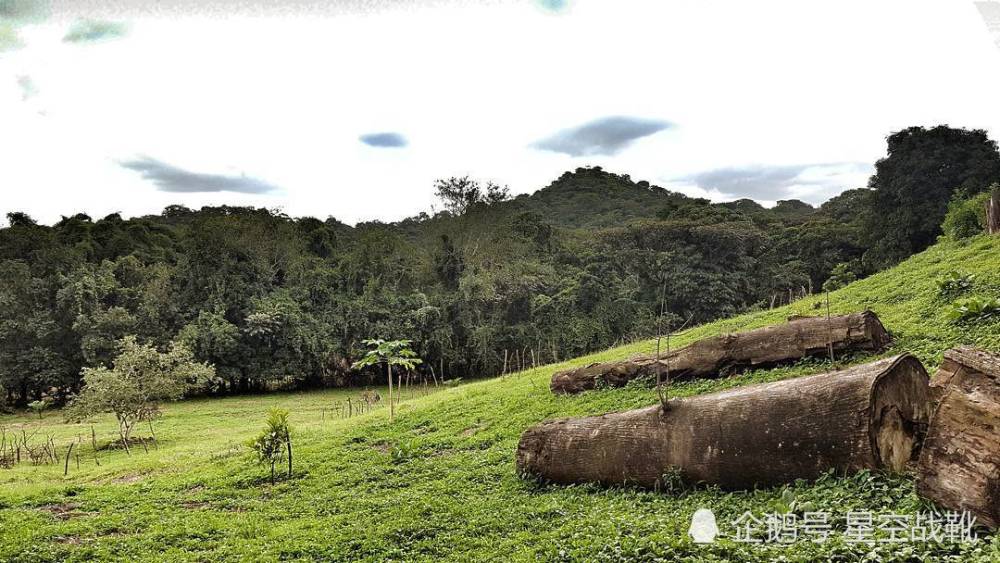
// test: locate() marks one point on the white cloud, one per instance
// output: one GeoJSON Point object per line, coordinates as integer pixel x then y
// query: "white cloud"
{"type": "Point", "coordinates": [287, 98]}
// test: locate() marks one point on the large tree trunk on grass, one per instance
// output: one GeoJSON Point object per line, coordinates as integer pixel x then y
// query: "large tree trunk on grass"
{"type": "Point", "coordinates": [867, 417]}
{"type": "Point", "coordinates": [763, 347]}
{"type": "Point", "coordinates": [959, 466]}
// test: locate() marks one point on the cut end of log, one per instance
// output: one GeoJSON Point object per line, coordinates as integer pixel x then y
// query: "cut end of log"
{"type": "Point", "coordinates": [897, 440]}
{"type": "Point", "coordinates": [901, 409]}
{"type": "Point", "coordinates": [875, 333]}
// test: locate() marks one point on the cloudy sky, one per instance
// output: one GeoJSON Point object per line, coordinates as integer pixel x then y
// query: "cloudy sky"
{"type": "Point", "coordinates": [353, 110]}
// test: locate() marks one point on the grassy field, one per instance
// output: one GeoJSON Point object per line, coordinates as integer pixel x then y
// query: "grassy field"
{"type": "Point", "coordinates": [440, 482]}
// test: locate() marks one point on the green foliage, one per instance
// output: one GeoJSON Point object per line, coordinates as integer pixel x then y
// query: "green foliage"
{"type": "Point", "coordinates": [273, 444]}
{"type": "Point", "coordinates": [460, 195]}
{"type": "Point", "coordinates": [953, 283]}
{"type": "Point", "coordinates": [974, 309]}
{"type": "Point", "coordinates": [841, 275]}
{"type": "Point", "coordinates": [280, 303]}
{"type": "Point", "coordinates": [402, 451]}
{"type": "Point", "coordinates": [966, 216]}
{"type": "Point", "coordinates": [140, 380]}
{"type": "Point", "coordinates": [923, 171]}
{"type": "Point", "coordinates": [672, 482]}
{"type": "Point", "coordinates": [456, 496]}
{"type": "Point", "coordinates": [39, 406]}
{"type": "Point", "coordinates": [392, 352]}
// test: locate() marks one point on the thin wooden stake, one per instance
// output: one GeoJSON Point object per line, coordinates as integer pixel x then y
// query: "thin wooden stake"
{"type": "Point", "coordinates": [93, 441]}
{"type": "Point", "coordinates": [68, 453]}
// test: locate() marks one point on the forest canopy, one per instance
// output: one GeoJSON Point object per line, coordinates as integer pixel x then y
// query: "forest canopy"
{"type": "Point", "coordinates": [274, 301]}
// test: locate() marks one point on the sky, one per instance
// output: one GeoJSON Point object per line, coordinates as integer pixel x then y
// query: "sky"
{"type": "Point", "coordinates": [352, 109]}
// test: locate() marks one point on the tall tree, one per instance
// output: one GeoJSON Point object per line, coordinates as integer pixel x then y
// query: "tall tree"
{"type": "Point", "coordinates": [459, 194]}
{"type": "Point", "coordinates": [914, 182]}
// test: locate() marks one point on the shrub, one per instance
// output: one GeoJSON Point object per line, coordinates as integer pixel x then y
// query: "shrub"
{"type": "Point", "coordinates": [38, 406]}
{"type": "Point", "coordinates": [401, 452]}
{"type": "Point", "coordinates": [966, 217]}
{"type": "Point", "coordinates": [841, 275]}
{"type": "Point", "coordinates": [954, 283]}
{"type": "Point", "coordinates": [974, 309]}
{"type": "Point", "coordinates": [274, 444]}
{"type": "Point", "coordinates": [140, 379]}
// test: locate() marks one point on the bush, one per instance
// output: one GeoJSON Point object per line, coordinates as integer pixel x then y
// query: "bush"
{"type": "Point", "coordinates": [966, 217]}
{"type": "Point", "coordinates": [274, 444]}
{"type": "Point", "coordinates": [954, 283]}
{"type": "Point", "coordinates": [38, 406]}
{"type": "Point", "coordinates": [974, 309]}
{"type": "Point", "coordinates": [841, 275]}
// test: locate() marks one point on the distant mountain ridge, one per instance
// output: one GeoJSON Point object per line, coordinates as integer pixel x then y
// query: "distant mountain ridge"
{"type": "Point", "coordinates": [591, 197]}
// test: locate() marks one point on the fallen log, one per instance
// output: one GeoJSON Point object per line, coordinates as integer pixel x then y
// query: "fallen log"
{"type": "Point", "coordinates": [959, 466]}
{"type": "Point", "coordinates": [870, 416]}
{"type": "Point", "coordinates": [731, 353]}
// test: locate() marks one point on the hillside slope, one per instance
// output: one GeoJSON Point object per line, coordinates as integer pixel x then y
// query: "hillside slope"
{"type": "Point", "coordinates": [440, 483]}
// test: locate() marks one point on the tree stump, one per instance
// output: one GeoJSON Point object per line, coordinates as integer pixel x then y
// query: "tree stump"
{"type": "Point", "coordinates": [959, 466]}
{"type": "Point", "coordinates": [729, 353]}
{"type": "Point", "coordinates": [870, 416]}
{"type": "Point", "coordinates": [993, 212]}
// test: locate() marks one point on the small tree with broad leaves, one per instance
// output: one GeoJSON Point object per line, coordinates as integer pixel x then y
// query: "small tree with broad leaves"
{"type": "Point", "coordinates": [391, 353]}
{"type": "Point", "coordinates": [274, 444]}
{"type": "Point", "coordinates": [142, 377]}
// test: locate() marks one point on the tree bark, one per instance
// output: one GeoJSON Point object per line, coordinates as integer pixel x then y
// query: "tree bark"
{"type": "Point", "coordinates": [993, 213]}
{"type": "Point", "coordinates": [392, 410]}
{"type": "Point", "coordinates": [870, 416]}
{"type": "Point", "coordinates": [959, 466]}
{"type": "Point", "coordinates": [730, 353]}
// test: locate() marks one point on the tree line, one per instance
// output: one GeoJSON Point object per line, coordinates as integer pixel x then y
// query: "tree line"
{"type": "Point", "coordinates": [489, 283]}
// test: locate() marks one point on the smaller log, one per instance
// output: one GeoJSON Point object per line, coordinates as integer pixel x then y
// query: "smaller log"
{"type": "Point", "coordinates": [959, 466]}
{"type": "Point", "coordinates": [870, 416]}
{"type": "Point", "coordinates": [957, 364]}
{"type": "Point", "coordinates": [731, 353]}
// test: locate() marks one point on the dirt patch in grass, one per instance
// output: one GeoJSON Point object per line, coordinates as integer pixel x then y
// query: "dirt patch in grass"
{"type": "Point", "coordinates": [127, 479]}
{"type": "Point", "coordinates": [194, 505]}
{"type": "Point", "coordinates": [472, 430]}
{"type": "Point", "coordinates": [64, 511]}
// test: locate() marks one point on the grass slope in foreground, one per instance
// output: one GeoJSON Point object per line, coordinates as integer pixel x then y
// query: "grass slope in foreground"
{"type": "Point", "coordinates": [440, 483]}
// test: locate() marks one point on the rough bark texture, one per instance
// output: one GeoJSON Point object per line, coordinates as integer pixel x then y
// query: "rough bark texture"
{"type": "Point", "coordinates": [729, 353]}
{"type": "Point", "coordinates": [867, 417]}
{"type": "Point", "coordinates": [960, 362]}
{"type": "Point", "coordinates": [993, 213]}
{"type": "Point", "coordinates": [959, 466]}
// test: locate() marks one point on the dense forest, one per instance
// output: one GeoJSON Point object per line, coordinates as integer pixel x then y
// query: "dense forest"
{"type": "Point", "coordinates": [490, 281]}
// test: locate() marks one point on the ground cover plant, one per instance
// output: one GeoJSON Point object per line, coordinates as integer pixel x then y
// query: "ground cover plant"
{"type": "Point", "coordinates": [439, 482]}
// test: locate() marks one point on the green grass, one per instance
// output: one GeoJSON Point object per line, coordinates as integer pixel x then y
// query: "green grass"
{"type": "Point", "coordinates": [440, 482]}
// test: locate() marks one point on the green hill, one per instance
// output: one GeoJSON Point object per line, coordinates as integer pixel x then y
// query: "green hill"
{"type": "Point", "coordinates": [595, 198]}
{"type": "Point", "coordinates": [440, 482]}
